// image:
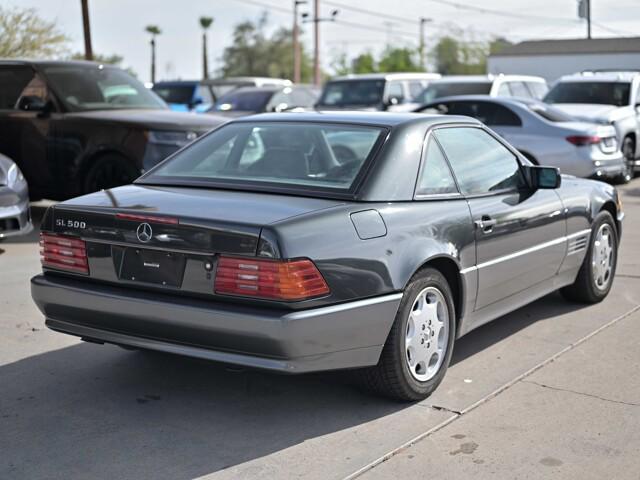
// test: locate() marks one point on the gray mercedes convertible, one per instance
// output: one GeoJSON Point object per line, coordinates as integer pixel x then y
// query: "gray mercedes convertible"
{"type": "Point", "coordinates": [315, 241]}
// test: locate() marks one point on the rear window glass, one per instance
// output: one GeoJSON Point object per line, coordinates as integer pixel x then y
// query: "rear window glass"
{"type": "Point", "coordinates": [175, 93]}
{"type": "Point", "coordinates": [352, 92]}
{"type": "Point", "coordinates": [605, 93]}
{"type": "Point", "coordinates": [446, 89]}
{"type": "Point", "coordinates": [274, 153]}
{"type": "Point", "coordinates": [243, 101]}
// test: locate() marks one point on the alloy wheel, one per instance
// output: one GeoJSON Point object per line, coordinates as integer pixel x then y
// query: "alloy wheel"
{"type": "Point", "coordinates": [427, 334]}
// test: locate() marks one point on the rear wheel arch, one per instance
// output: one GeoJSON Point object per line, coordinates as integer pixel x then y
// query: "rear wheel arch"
{"type": "Point", "coordinates": [450, 269]}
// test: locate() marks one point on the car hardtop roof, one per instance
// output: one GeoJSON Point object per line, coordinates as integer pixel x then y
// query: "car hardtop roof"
{"type": "Point", "coordinates": [48, 63]}
{"type": "Point", "coordinates": [487, 78]}
{"type": "Point", "coordinates": [177, 82]}
{"type": "Point", "coordinates": [234, 80]}
{"type": "Point", "coordinates": [387, 76]}
{"type": "Point", "coordinates": [489, 99]}
{"type": "Point", "coordinates": [600, 76]}
{"type": "Point", "coordinates": [377, 119]}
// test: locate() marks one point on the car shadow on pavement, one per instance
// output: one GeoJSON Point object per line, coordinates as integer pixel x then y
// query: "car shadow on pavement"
{"type": "Point", "coordinates": [89, 411]}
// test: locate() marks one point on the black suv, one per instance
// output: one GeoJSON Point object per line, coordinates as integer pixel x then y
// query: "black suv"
{"type": "Point", "coordinates": [77, 127]}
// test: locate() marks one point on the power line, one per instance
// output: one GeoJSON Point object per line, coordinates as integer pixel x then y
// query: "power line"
{"type": "Point", "coordinates": [267, 6]}
{"type": "Point", "coordinates": [489, 11]}
{"type": "Point", "coordinates": [372, 13]}
{"type": "Point", "coordinates": [611, 30]}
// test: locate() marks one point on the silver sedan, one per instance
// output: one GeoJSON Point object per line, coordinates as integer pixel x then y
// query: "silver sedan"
{"type": "Point", "coordinates": [15, 218]}
{"type": "Point", "coordinates": [543, 134]}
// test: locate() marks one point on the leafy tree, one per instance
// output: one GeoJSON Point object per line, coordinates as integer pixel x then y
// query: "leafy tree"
{"type": "Point", "coordinates": [499, 43]}
{"type": "Point", "coordinates": [364, 63]}
{"type": "Point", "coordinates": [399, 60]}
{"type": "Point", "coordinates": [254, 53]}
{"type": "Point", "coordinates": [113, 59]}
{"type": "Point", "coordinates": [24, 34]}
{"type": "Point", "coordinates": [460, 57]}
{"type": "Point", "coordinates": [205, 23]}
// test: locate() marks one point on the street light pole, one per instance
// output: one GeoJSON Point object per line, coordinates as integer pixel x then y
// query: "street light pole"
{"type": "Point", "coordinates": [589, 19]}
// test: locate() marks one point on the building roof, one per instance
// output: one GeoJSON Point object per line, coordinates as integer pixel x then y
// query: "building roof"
{"type": "Point", "coordinates": [572, 47]}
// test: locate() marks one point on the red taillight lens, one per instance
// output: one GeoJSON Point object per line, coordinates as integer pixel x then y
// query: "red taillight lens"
{"type": "Point", "coordinates": [63, 253]}
{"type": "Point", "coordinates": [271, 279]}
{"type": "Point", "coordinates": [581, 140]}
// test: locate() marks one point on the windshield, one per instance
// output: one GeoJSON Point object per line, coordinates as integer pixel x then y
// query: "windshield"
{"type": "Point", "coordinates": [243, 101]}
{"type": "Point", "coordinates": [352, 92]}
{"type": "Point", "coordinates": [83, 88]}
{"type": "Point", "coordinates": [182, 94]}
{"type": "Point", "coordinates": [445, 89]}
{"type": "Point", "coordinates": [605, 93]}
{"type": "Point", "coordinates": [324, 156]}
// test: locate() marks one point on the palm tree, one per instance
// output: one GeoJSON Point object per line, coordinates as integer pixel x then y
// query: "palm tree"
{"type": "Point", "coordinates": [205, 23]}
{"type": "Point", "coordinates": [153, 30]}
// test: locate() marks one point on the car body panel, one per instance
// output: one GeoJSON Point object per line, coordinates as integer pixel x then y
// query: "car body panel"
{"type": "Point", "coordinates": [366, 264]}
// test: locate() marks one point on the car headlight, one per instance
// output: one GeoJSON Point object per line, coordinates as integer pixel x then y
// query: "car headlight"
{"type": "Point", "coordinates": [14, 176]}
{"type": "Point", "coordinates": [177, 139]}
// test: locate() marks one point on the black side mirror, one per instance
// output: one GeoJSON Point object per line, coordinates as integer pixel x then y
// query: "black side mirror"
{"type": "Point", "coordinates": [544, 177]}
{"type": "Point", "coordinates": [31, 103]}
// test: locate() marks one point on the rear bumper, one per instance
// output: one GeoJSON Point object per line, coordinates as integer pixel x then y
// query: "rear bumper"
{"type": "Point", "coordinates": [608, 171]}
{"type": "Point", "coordinates": [340, 336]}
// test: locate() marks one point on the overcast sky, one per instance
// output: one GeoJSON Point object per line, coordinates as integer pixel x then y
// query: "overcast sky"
{"type": "Point", "coordinates": [118, 25]}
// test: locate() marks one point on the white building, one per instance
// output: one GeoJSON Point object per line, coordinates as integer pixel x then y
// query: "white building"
{"type": "Point", "coordinates": [553, 58]}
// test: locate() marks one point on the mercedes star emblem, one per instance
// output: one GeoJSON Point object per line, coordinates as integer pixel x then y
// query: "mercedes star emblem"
{"type": "Point", "coordinates": [144, 232]}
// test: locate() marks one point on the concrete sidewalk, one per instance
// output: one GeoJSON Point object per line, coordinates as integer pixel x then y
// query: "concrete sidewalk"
{"type": "Point", "coordinates": [577, 417]}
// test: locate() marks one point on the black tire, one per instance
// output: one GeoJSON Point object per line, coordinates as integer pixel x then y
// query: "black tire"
{"type": "Point", "coordinates": [391, 376]}
{"type": "Point", "coordinates": [629, 154]}
{"type": "Point", "coordinates": [109, 171]}
{"type": "Point", "coordinates": [584, 289]}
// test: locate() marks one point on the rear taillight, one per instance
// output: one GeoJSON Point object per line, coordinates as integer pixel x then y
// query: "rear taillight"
{"type": "Point", "coordinates": [63, 253]}
{"type": "Point", "coordinates": [270, 279]}
{"type": "Point", "coordinates": [582, 140]}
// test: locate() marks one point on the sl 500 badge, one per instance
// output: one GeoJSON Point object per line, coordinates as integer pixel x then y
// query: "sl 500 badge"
{"type": "Point", "coordinates": [61, 222]}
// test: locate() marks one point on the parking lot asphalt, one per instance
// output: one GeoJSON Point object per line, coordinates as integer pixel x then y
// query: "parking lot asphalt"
{"type": "Point", "coordinates": [550, 390]}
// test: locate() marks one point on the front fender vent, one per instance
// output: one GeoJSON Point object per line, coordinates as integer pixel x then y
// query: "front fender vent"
{"type": "Point", "coordinates": [578, 244]}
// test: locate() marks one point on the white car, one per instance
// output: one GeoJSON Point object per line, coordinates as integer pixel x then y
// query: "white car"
{"type": "Point", "coordinates": [611, 98]}
{"type": "Point", "coordinates": [396, 92]}
{"type": "Point", "coordinates": [543, 134]}
{"type": "Point", "coordinates": [522, 86]}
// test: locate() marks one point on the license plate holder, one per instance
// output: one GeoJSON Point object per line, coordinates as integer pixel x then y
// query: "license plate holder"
{"type": "Point", "coordinates": [152, 266]}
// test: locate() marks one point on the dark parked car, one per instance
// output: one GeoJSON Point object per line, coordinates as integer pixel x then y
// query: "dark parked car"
{"type": "Point", "coordinates": [200, 95]}
{"type": "Point", "coordinates": [248, 100]}
{"type": "Point", "coordinates": [77, 127]}
{"type": "Point", "coordinates": [256, 246]}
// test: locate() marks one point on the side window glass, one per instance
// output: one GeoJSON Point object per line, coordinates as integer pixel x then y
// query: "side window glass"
{"type": "Point", "coordinates": [205, 94]}
{"type": "Point", "coordinates": [279, 101]}
{"type": "Point", "coordinates": [415, 89]}
{"type": "Point", "coordinates": [17, 82]}
{"type": "Point", "coordinates": [500, 115]}
{"type": "Point", "coordinates": [503, 90]}
{"type": "Point", "coordinates": [481, 164]}
{"type": "Point", "coordinates": [395, 91]}
{"type": "Point", "coordinates": [435, 177]}
{"type": "Point", "coordinates": [538, 89]}
{"type": "Point", "coordinates": [519, 89]}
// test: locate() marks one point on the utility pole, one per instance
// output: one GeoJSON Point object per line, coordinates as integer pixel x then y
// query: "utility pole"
{"type": "Point", "coordinates": [88, 50]}
{"type": "Point", "coordinates": [296, 41]}
{"type": "Point", "coordinates": [588, 19]}
{"type": "Point", "coordinates": [316, 36]}
{"type": "Point", "coordinates": [423, 21]}
{"type": "Point", "coordinates": [316, 42]}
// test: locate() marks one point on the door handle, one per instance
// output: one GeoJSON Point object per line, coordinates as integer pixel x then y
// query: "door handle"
{"type": "Point", "coordinates": [486, 224]}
